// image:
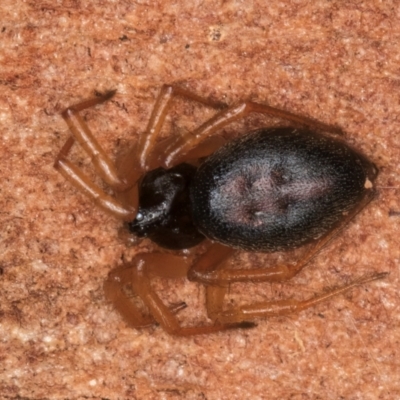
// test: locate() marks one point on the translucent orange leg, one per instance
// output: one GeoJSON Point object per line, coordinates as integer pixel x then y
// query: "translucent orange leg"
{"type": "Point", "coordinates": [81, 133]}
{"type": "Point", "coordinates": [280, 307]}
{"type": "Point", "coordinates": [147, 142]}
{"type": "Point", "coordinates": [103, 165]}
{"type": "Point", "coordinates": [113, 289]}
{"type": "Point", "coordinates": [177, 149]}
{"type": "Point", "coordinates": [137, 275]}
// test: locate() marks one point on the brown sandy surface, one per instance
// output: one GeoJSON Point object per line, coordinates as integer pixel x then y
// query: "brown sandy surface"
{"type": "Point", "coordinates": [336, 61]}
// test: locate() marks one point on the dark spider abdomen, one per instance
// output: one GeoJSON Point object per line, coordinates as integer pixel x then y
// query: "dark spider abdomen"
{"type": "Point", "coordinates": [277, 189]}
{"type": "Point", "coordinates": [164, 213]}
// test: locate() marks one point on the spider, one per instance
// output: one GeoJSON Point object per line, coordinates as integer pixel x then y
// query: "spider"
{"type": "Point", "coordinates": [274, 189]}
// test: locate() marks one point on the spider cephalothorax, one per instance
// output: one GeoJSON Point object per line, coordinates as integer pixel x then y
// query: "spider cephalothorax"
{"type": "Point", "coordinates": [165, 212]}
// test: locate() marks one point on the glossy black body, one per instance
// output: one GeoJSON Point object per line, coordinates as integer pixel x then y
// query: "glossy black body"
{"type": "Point", "coordinates": [164, 214]}
{"type": "Point", "coordinates": [273, 189]}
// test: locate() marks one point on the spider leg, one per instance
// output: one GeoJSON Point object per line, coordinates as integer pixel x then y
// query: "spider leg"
{"type": "Point", "coordinates": [83, 135]}
{"type": "Point", "coordinates": [179, 149]}
{"type": "Point", "coordinates": [103, 165]}
{"type": "Point", "coordinates": [138, 275]}
{"type": "Point", "coordinates": [142, 152]}
{"type": "Point", "coordinates": [283, 307]}
{"type": "Point", "coordinates": [113, 288]}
